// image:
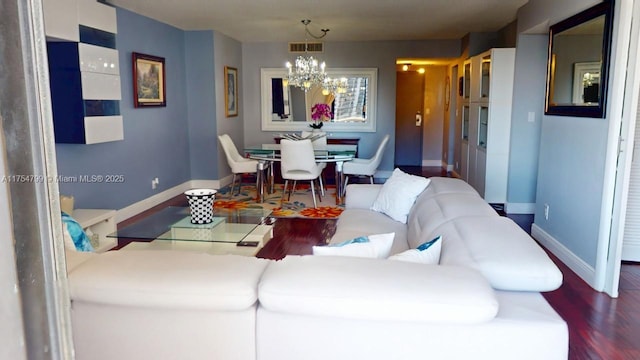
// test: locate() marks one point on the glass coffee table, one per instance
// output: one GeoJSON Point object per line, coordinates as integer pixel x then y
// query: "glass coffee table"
{"type": "Point", "coordinates": [238, 231]}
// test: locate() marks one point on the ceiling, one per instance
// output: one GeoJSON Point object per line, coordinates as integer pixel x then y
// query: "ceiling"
{"type": "Point", "coordinates": [348, 20]}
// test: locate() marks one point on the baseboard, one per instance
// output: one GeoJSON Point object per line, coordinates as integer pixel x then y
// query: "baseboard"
{"type": "Point", "coordinates": [577, 265]}
{"type": "Point", "coordinates": [520, 208]}
{"type": "Point", "coordinates": [146, 204]}
{"type": "Point", "coordinates": [209, 184]}
{"type": "Point", "coordinates": [224, 181]}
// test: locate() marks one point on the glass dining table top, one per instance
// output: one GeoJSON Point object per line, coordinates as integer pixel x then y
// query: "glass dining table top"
{"type": "Point", "coordinates": [320, 150]}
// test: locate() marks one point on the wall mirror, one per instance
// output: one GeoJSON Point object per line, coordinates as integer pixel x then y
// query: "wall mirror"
{"type": "Point", "coordinates": [578, 63]}
{"type": "Point", "coordinates": [286, 108]}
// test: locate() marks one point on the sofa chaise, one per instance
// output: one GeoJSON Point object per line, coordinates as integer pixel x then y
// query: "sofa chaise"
{"type": "Point", "coordinates": [482, 301]}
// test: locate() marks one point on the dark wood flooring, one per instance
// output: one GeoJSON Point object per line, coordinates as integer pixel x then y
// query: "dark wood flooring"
{"type": "Point", "coordinates": [600, 327]}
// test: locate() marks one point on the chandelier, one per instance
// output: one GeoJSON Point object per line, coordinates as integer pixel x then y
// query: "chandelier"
{"type": "Point", "coordinates": [334, 86]}
{"type": "Point", "coordinates": [307, 71]}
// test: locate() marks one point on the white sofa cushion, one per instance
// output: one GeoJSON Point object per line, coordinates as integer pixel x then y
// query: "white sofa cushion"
{"type": "Point", "coordinates": [359, 222]}
{"type": "Point", "coordinates": [431, 211]}
{"type": "Point", "coordinates": [373, 289]}
{"type": "Point", "coordinates": [372, 246]}
{"type": "Point", "coordinates": [168, 279]}
{"type": "Point", "coordinates": [496, 246]}
{"type": "Point", "coordinates": [427, 253]}
{"type": "Point", "coordinates": [398, 194]}
{"type": "Point", "coordinates": [361, 196]}
{"type": "Point", "coordinates": [447, 185]}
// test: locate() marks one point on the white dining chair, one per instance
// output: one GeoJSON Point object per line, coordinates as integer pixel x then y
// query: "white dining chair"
{"type": "Point", "coordinates": [364, 167]}
{"type": "Point", "coordinates": [318, 143]}
{"type": "Point", "coordinates": [239, 165]}
{"type": "Point", "coordinates": [298, 163]}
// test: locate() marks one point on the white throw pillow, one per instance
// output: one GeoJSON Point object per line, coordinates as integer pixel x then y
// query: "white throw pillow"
{"type": "Point", "coordinates": [372, 246]}
{"type": "Point", "coordinates": [427, 253]}
{"type": "Point", "coordinates": [398, 194]}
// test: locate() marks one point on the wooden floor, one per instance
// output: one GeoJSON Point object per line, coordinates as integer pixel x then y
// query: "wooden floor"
{"type": "Point", "coordinates": [600, 327]}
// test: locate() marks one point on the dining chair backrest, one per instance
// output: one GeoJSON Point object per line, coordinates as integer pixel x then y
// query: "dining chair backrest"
{"type": "Point", "coordinates": [297, 155]}
{"type": "Point", "coordinates": [230, 149]}
{"type": "Point", "coordinates": [321, 141]}
{"type": "Point", "coordinates": [377, 158]}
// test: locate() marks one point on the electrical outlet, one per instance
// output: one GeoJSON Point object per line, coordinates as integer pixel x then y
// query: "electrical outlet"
{"type": "Point", "coordinates": [154, 183]}
{"type": "Point", "coordinates": [546, 211]}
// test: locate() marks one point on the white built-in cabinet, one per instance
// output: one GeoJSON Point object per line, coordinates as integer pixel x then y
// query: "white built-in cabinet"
{"type": "Point", "coordinates": [84, 71]}
{"type": "Point", "coordinates": [486, 122]}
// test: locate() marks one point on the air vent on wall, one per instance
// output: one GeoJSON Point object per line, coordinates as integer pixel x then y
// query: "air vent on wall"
{"type": "Point", "coordinates": [311, 47]}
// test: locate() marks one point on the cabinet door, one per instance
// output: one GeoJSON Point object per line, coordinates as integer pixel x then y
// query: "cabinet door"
{"type": "Point", "coordinates": [473, 145]}
{"type": "Point", "coordinates": [464, 147]}
{"type": "Point", "coordinates": [464, 160]}
{"type": "Point", "coordinates": [466, 86]}
{"type": "Point", "coordinates": [483, 126]}
{"type": "Point", "coordinates": [481, 171]}
{"type": "Point", "coordinates": [485, 77]}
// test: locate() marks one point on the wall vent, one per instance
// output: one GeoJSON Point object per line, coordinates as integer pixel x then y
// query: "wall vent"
{"type": "Point", "coordinates": [311, 47]}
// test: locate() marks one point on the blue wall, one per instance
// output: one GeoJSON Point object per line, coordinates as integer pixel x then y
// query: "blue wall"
{"type": "Point", "coordinates": [201, 106]}
{"type": "Point", "coordinates": [571, 164]}
{"type": "Point", "coordinates": [528, 96]}
{"type": "Point", "coordinates": [156, 140]}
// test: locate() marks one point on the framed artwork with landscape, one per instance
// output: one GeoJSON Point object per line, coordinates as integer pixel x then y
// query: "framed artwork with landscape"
{"type": "Point", "coordinates": [148, 80]}
{"type": "Point", "coordinates": [231, 91]}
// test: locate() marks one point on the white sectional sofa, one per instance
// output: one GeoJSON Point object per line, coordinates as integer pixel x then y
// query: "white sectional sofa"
{"type": "Point", "coordinates": [482, 301]}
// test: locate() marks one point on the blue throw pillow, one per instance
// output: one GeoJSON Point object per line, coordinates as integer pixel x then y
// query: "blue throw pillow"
{"type": "Point", "coordinates": [358, 240]}
{"type": "Point", "coordinates": [426, 253]}
{"type": "Point", "coordinates": [72, 229]}
{"type": "Point", "coordinates": [372, 246]}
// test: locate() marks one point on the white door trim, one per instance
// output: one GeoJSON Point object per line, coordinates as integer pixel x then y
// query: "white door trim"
{"type": "Point", "coordinates": [623, 106]}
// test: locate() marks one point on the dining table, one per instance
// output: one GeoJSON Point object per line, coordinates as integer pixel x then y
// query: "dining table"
{"type": "Point", "coordinates": [267, 154]}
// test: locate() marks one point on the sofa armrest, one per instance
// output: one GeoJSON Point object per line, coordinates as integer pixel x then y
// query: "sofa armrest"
{"type": "Point", "coordinates": [375, 289]}
{"type": "Point", "coordinates": [361, 196]}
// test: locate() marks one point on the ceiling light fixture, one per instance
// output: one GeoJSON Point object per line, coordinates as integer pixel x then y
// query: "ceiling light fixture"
{"type": "Point", "coordinates": [334, 86]}
{"type": "Point", "coordinates": [308, 71]}
{"type": "Point", "coordinates": [405, 67]}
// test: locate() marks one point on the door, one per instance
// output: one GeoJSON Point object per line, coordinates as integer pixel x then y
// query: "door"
{"type": "Point", "coordinates": [631, 239]}
{"type": "Point", "coordinates": [409, 106]}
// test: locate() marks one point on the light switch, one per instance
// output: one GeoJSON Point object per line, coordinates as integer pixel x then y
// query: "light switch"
{"type": "Point", "coordinates": [532, 116]}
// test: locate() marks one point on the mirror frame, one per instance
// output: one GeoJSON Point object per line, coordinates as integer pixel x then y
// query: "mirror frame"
{"type": "Point", "coordinates": [266, 74]}
{"type": "Point", "coordinates": [605, 8]}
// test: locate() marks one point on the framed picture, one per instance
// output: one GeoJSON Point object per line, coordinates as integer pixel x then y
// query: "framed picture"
{"type": "Point", "coordinates": [148, 81]}
{"type": "Point", "coordinates": [231, 91]}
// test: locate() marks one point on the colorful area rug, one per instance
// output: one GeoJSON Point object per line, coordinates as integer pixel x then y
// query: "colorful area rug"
{"type": "Point", "coordinates": [300, 205]}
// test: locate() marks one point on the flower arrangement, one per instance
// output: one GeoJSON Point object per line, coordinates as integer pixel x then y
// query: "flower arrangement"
{"type": "Point", "coordinates": [319, 113]}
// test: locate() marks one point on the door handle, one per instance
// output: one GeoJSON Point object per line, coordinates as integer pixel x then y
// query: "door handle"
{"type": "Point", "coordinates": [418, 119]}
